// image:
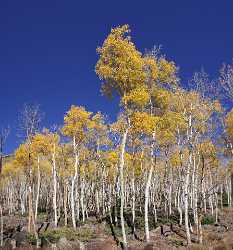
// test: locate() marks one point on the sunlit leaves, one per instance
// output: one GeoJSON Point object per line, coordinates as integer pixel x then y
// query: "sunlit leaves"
{"type": "Point", "coordinates": [142, 122]}
{"type": "Point", "coordinates": [138, 97]}
{"type": "Point", "coordinates": [167, 72]}
{"type": "Point", "coordinates": [76, 121]}
{"type": "Point", "coordinates": [120, 65]}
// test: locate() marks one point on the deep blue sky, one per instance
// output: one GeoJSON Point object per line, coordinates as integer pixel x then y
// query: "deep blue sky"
{"type": "Point", "coordinates": [48, 48]}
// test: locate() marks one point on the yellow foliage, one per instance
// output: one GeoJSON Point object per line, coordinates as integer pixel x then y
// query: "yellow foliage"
{"type": "Point", "coordinates": [42, 143]}
{"type": "Point", "coordinates": [151, 67]}
{"type": "Point", "coordinates": [208, 149]}
{"type": "Point", "coordinates": [10, 169]}
{"type": "Point", "coordinates": [217, 106]}
{"type": "Point", "coordinates": [142, 122]}
{"type": "Point", "coordinates": [176, 160]}
{"type": "Point", "coordinates": [138, 97]}
{"type": "Point", "coordinates": [167, 71]}
{"type": "Point", "coordinates": [120, 65]}
{"type": "Point", "coordinates": [112, 157]}
{"type": "Point", "coordinates": [97, 121]}
{"type": "Point", "coordinates": [76, 120]}
{"type": "Point", "coordinates": [167, 127]}
{"type": "Point", "coordinates": [161, 98]}
{"type": "Point", "coordinates": [23, 156]}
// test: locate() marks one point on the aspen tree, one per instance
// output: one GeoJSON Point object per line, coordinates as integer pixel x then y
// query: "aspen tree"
{"type": "Point", "coordinates": [24, 159]}
{"type": "Point", "coordinates": [76, 122]}
{"type": "Point", "coordinates": [121, 68]}
{"type": "Point", "coordinates": [46, 144]}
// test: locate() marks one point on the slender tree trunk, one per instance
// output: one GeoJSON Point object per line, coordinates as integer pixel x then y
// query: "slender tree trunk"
{"type": "Point", "coordinates": [186, 206]}
{"type": "Point", "coordinates": [231, 190]}
{"type": "Point", "coordinates": [38, 187]}
{"type": "Point", "coordinates": [216, 207]}
{"type": "Point", "coordinates": [82, 199]}
{"type": "Point", "coordinates": [179, 207]}
{"type": "Point", "coordinates": [54, 186]}
{"type": "Point", "coordinates": [200, 231]}
{"type": "Point", "coordinates": [147, 232]}
{"type": "Point", "coordinates": [147, 189]}
{"type": "Point", "coordinates": [65, 203]}
{"type": "Point", "coordinates": [122, 162]}
{"type": "Point", "coordinates": [31, 221]}
{"type": "Point", "coordinates": [74, 178]}
{"type": "Point", "coordinates": [1, 226]}
{"type": "Point", "coordinates": [133, 203]}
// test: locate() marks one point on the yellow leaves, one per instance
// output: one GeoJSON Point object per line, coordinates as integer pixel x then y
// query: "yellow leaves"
{"type": "Point", "coordinates": [112, 157]}
{"type": "Point", "coordinates": [179, 157]}
{"type": "Point", "coordinates": [22, 156]}
{"type": "Point", "coordinates": [123, 69]}
{"type": "Point", "coordinates": [151, 67]}
{"type": "Point", "coordinates": [217, 106]}
{"type": "Point", "coordinates": [207, 148]}
{"type": "Point", "coordinates": [76, 121]}
{"type": "Point", "coordinates": [120, 65]}
{"type": "Point", "coordinates": [191, 104]}
{"type": "Point", "coordinates": [176, 159]}
{"type": "Point", "coordinates": [167, 71]}
{"type": "Point", "coordinates": [167, 127]}
{"type": "Point", "coordinates": [10, 169]}
{"type": "Point", "coordinates": [161, 98]}
{"type": "Point", "coordinates": [97, 122]}
{"type": "Point", "coordinates": [120, 125]}
{"type": "Point", "coordinates": [230, 167]}
{"type": "Point", "coordinates": [134, 163]}
{"type": "Point", "coordinates": [172, 120]}
{"type": "Point", "coordinates": [141, 122]}
{"type": "Point", "coordinates": [138, 96]}
{"type": "Point", "coordinates": [209, 151]}
{"type": "Point", "coordinates": [42, 143]}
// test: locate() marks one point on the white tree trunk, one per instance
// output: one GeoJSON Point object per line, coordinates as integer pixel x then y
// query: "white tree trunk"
{"type": "Point", "coordinates": [73, 183]}
{"type": "Point", "coordinates": [147, 189]}
{"type": "Point", "coordinates": [54, 186]}
{"type": "Point", "coordinates": [38, 187]}
{"type": "Point", "coordinates": [1, 226]}
{"type": "Point", "coordinates": [186, 206]}
{"type": "Point", "coordinates": [122, 163]}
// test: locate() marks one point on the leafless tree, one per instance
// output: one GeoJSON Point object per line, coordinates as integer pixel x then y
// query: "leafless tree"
{"type": "Point", "coordinates": [3, 136]}
{"type": "Point", "coordinates": [226, 79]}
{"type": "Point", "coordinates": [29, 120]}
{"type": "Point", "coordinates": [208, 88]}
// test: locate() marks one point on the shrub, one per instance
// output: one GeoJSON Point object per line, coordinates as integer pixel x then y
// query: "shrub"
{"type": "Point", "coordinates": [208, 220]}
{"type": "Point", "coordinates": [53, 235]}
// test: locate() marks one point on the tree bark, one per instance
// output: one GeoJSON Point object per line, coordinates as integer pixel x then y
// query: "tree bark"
{"type": "Point", "coordinates": [1, 226]}
{"type": "Point", "coordinates": [38, 187]}
{"type": "Point", "coordinates": [147, 189]}
{"type": "Point", "coordinates": [74, 178]}
{"type": "Point", "coordinates": [122, 162]}
{"type": "Point", "coordinates": [54, 186]}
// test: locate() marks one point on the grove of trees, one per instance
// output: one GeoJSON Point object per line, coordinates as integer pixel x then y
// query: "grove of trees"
{"type": "Point", "coordinates": [169, 151]}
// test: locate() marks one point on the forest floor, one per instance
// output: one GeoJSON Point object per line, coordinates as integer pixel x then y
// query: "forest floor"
{"type": "Point", "coordinates": [99, 235]}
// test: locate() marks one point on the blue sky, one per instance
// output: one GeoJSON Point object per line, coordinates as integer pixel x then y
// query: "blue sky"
{"type": "Point", "coordinates": [48, 48]}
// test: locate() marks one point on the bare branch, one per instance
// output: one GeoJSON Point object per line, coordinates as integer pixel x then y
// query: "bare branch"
{"type": "Point", "coordinates": [29, 120]}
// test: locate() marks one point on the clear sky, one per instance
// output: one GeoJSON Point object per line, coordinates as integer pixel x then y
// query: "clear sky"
{"type": "Point", "coordinates": [48, 48]}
